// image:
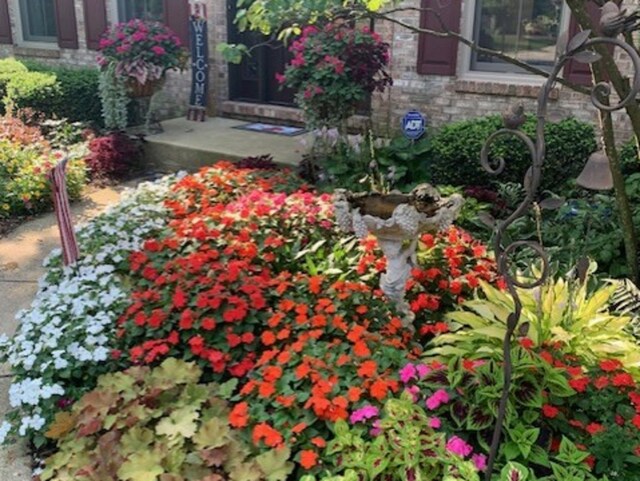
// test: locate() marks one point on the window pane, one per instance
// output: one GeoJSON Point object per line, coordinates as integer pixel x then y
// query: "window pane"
{"type": "Point", "coordinates": [144, 9]}
{"type": "Point", "coordinates": [38, 20]}
{"type": "Point", "coordinates": [524, 29]}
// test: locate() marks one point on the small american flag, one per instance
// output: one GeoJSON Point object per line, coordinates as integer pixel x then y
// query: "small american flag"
{"type": "Point", "coordinates": [63, 212]}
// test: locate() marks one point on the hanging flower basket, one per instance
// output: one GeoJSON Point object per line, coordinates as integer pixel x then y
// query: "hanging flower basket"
{"type": "Point", "coordinates": [147, 89]}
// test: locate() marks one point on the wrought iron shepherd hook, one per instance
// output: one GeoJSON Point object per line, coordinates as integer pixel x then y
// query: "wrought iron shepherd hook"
{"type": "Point", "coordinates": [578, 49]}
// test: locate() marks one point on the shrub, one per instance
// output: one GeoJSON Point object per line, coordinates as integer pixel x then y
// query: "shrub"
{"type": "Point", "coordinates": [37, 90]}
{"type": "Point", "coordinates": [144, 423]}
{"type": "Point", "coordinates": [57, 92]}
{"type": "Point", "coordinates": [629, 158]}
{"type": "Point", "coordinates": [112, 155]}
{"type": "Point", "coordinates": [8, 68]}
{"type": "Point", "coordinates": [455, 155]}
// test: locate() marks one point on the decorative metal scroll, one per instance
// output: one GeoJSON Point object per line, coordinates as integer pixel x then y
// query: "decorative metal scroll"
{"type": "Point", "coordinates": [578, 49]}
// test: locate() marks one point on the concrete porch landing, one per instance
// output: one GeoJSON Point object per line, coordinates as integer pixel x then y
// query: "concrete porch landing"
{"type": "Point", "coordinates": [187, 145]}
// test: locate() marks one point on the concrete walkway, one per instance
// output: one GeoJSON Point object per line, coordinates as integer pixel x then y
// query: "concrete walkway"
{"type": "Point", "coordinates": [21, 256]}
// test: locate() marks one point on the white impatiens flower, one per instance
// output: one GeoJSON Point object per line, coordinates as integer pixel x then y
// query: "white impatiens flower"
{"type": "Point", "coordinates": [70, 326]}
{"type": "Point", "coordinates": [5, 428]}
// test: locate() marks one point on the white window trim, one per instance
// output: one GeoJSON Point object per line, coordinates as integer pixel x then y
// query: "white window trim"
{"type": "Point", "coordinates": [19, 33]}
{"type": "Point", "coordinates": [464, 55]}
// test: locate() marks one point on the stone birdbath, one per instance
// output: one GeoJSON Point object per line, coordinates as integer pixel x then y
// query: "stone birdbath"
{"type": "Point", "coordinates": [397, 221]}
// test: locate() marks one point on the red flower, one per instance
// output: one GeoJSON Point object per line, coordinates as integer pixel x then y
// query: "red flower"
{"type": "Point", "coordinates": [594, 428]}
{"type": "Point", "coordinates": [550, 411]}
{"type": "Point", "coordinates": [623, 379]}
{"type": "Point", "coordinates": [601, 382]}
{"type": "Point", "coordinates": [609, 365]}
{"type": "Point", "coordinates": [580, 384]}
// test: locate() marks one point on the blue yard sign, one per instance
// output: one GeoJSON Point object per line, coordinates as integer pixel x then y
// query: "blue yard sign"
{"type": "Point", "coordinates": [413, 125]}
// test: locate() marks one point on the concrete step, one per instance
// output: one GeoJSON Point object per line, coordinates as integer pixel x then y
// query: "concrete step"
{"type": "Point", "coordinates": [188, 145]}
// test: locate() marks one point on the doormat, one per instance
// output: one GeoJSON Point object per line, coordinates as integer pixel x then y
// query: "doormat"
{"type": "Point", "coordinates": [272, 129]}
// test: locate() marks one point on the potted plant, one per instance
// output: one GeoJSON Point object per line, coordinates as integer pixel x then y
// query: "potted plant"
{"type": "Point", "coordinates": [140, 53]}
{"type": "Point", "coordinates": [335, 68]}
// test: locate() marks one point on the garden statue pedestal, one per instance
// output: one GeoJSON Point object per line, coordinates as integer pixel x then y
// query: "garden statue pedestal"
{"type": "Point", "coordinates": [396, 220]}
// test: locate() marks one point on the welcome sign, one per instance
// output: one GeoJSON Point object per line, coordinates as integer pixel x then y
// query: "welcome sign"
{"type": "Point", "coordinates": [199, 63]}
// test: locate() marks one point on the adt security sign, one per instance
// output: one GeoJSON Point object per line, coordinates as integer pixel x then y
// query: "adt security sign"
{"type": "Point", "coordinates": [413, 124]}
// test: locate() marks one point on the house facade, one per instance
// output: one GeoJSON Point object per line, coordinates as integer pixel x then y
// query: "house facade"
{"type": "Point", "coordinates": [440, 77]}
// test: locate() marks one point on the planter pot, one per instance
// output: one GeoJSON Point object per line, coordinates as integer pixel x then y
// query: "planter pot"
{"type": "Point", "coordinates": [138, 90]}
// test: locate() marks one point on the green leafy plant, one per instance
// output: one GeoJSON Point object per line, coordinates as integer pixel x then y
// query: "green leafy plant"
{"type": "Point", "coordinates": [405, 447]}
{"type": "Point", "coordinates": [113, 95]}
{"type": "Point", "coordinates": [143, 423]}
{"type": "Point", "coordinates": [564, 311]}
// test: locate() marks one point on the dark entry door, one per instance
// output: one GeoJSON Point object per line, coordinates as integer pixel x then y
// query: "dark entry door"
{"type": "Point", "coordinates": [254, 79]}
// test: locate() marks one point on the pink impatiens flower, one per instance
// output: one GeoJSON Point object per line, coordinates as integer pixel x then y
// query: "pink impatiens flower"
{"type": "Point", "coordinates": [158, 50]}
{"type": "Point", "coordinates": [407, 373]}
{"type": "Point", "coordinates": [480, 461]}
{"type": "Point", "coordinates": [364, 413]}
{"type": "Point", "coordinates": [435, 423]}
{"type": "Point", "coordinates": [437, 398]}
{"type": "Point", "coordinates": [458, 446]}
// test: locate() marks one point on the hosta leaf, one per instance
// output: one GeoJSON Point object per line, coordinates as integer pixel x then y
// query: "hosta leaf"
{"type": "Point", "coordinates": [141, 466]}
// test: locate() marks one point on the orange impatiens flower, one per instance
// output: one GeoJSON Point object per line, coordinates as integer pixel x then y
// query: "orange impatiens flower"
{"type": "Point", "coordinates": [308, 458]}
{"type": "Point", "coordinates": [239, 415]}
{"type": "Point", "coordinates": [367, 369]}
{"type": "Point", "coordinates": [319, 442]}
{"type": "Point", "coordinates": [379, 389]}
{"type": "Point", "coordinates": [264, 432]}
{"type": "Point", "coordinates": [268, 338]}
{"type": "Point", "coordinates": [354, 394]}
{"type": "Point", "coordinates": [272, 373]}
{"type": "Point", "coordinates": [298, 428]}
{"type": "Point", "coordinates": [361, 349]}
{"type": "Point", "coordinates": [266, 389]}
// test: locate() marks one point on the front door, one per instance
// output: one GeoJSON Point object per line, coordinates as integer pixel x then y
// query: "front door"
{"type": "Point", "coordinates": [254, 79]}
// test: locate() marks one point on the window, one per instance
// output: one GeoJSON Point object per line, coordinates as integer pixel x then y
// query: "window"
{"type": "Point", "coordinates": [38, 20]}
{"type": "Point", "coordinates": [144, 9]}
{"type": "Point", "coordinates": [525, 29]}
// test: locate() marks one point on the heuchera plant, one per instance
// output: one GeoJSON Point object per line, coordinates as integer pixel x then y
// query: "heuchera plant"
{"type": "Point", "coordinates": [333, 69]}
{"type": "Point", "coordinates": [141, 50]}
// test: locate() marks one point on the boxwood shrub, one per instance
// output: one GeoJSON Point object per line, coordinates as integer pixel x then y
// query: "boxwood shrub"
{"type": "Point", "coordinates": [56, 92]}
{"type": "Point", "coordinates": [455, 152]}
